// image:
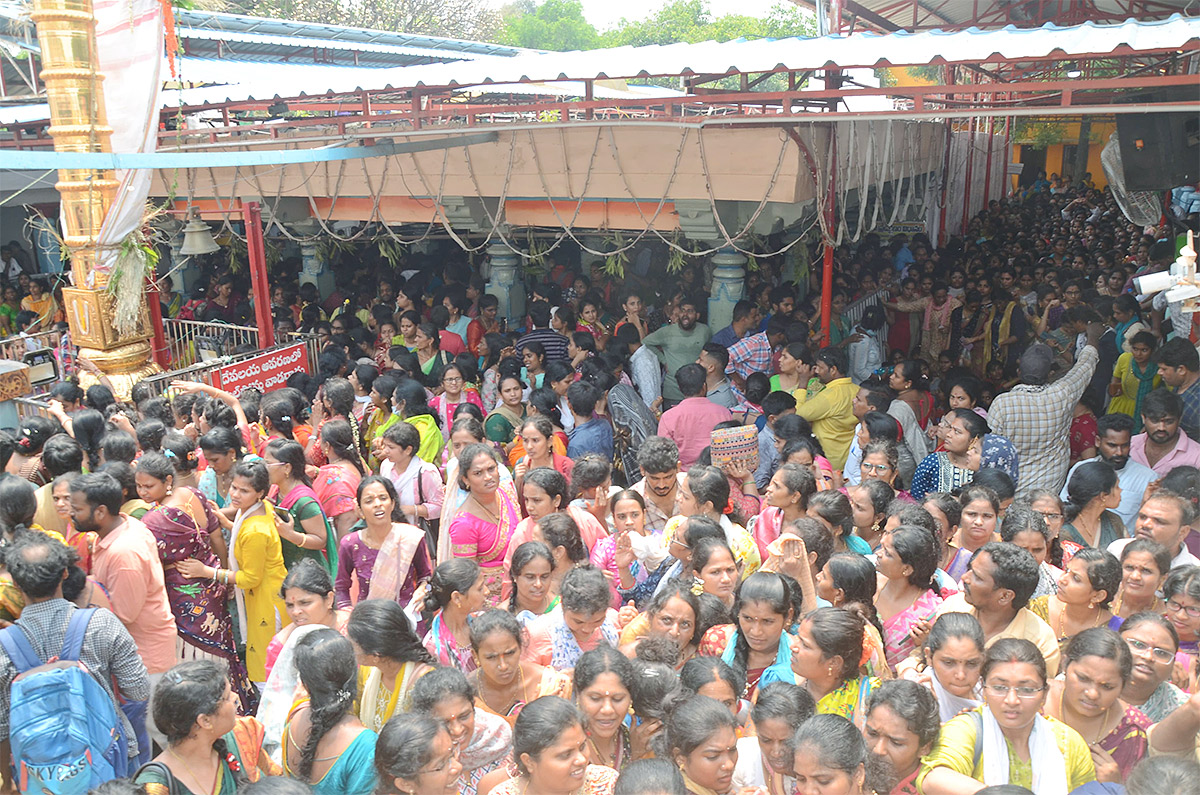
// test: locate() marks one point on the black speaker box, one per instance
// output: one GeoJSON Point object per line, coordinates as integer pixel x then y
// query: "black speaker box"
{"type": "Point", "coordinates": [1159, 150]}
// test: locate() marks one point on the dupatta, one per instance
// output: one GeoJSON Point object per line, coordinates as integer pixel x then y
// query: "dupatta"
{"type": "Point", "coordinates": [394, 560]}
{"type": "Point", "coordinates": [329, 555]}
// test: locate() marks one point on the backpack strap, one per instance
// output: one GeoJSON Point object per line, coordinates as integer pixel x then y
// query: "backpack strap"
{"type": "Point", "coordinates": [20, 652]}
{"type": "Point", "coordinates": [76, 629]}
{"type": "Point", "coordinates": [977, 719]}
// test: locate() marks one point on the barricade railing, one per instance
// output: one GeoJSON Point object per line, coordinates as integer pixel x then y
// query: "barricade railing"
{"type": "Point", "coordinates": [190, 342]}
{"type": "Point", "coordinates": [31, 407]}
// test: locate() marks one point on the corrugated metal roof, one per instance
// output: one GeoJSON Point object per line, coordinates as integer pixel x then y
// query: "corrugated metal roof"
{"type": "Point", "coordinates": [194, 34]}
{"type": "Point", "coordinates": [235, 23]}
{"type": "Point", "coordinates": [767, 55]}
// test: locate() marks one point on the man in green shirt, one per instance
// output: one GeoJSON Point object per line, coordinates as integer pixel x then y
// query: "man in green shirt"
{"type": "Point", "coordinates": [677, 345]}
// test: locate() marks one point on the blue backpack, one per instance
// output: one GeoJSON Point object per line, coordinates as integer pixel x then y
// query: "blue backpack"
{"type": "Point", "coordinates": [63, 727]}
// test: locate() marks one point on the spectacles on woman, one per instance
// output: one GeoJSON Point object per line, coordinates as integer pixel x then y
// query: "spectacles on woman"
{"type": "Point", "coordinates": [1175, 607]}
{"type": "Point", "coordinates": [1141, 647]}
{"type": "Point", "coordinates": [1023, 693]}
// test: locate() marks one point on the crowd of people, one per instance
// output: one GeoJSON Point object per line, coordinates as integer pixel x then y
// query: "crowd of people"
{"type": "Point", "coordinates": [948, 548]}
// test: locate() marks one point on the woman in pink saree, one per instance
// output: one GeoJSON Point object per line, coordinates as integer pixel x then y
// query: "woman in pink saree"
{"type": "Point", "coordinates": [483, 526]}
{"type": "Point", "coordinates": [907, 558]}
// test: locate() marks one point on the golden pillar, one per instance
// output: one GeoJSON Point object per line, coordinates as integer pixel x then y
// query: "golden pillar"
{"type": "Point", "coordinates": [67, 34]}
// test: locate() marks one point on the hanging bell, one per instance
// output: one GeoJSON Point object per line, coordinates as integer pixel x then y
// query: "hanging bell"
{"type": "Point", "coordinates": [197, 239]}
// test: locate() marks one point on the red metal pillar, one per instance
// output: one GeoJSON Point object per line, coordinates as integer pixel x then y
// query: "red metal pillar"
{"type": "Point", "coordinates": [258, 275]}
{"type": "Point", "coordinates": [987, 170]}
{"type": "Point", "coordinates": [162, 355]}
{"type": "Point", "coordinates": [1008, 154]}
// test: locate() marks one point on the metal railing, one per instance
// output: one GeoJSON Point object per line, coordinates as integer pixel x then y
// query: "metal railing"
{"type": "Point", "coordinates": [191, 342]}
{"type": "Point", "coordinates": [31, 407]}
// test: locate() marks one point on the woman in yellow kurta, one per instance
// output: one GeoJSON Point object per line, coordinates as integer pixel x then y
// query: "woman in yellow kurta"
{"type": "Point", "coordinates": [1133, 378]}
{"type": "Point", "coordinates": [390, 658]}
{"type": "Point", "coordinates": [1007, 741]}
{"type": "Point", "coordinates": [255, 565]}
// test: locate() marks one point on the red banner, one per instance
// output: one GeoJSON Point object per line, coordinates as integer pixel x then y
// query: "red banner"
{"type": "Point", "coordinates": [264, 372]}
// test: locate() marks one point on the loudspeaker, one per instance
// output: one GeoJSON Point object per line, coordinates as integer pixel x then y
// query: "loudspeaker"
{"type": "Point", "coordinates": [1159, 151]}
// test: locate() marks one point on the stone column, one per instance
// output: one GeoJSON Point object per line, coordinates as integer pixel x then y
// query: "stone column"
{"type": "Point", "coordinates": [314, 271]}
{"type": "Point", "coordinates": [728, 287]}
{"type": "Point", "coordinates": [506, 283]}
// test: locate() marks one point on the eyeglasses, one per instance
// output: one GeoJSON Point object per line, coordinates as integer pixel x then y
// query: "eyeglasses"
{"type": "Point", "coordinates": [1050, 516]}
{"type": "Point", "coordinates": [1023, 693]}
{"type": "Point", "coordinates": [1175, 607]}
{"type": "Point", "coordinates": [445, 763]}
{"type": "Point", "coordinates": [875, 467]}
{"type": "Point", "coordinates": [452, 379]}
{"type": "Point", "coordinates": [1159, 654]}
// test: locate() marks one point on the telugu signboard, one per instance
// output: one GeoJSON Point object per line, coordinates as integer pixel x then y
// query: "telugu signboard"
{"type": "Point", "coordinates": [264, 372]}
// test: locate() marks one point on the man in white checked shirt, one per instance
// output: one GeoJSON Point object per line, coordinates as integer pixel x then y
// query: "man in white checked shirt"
{"type": "Point", "coordinates": [1036, 416]}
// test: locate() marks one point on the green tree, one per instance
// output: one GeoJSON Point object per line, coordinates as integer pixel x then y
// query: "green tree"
{"type": "Point", "coordinates": [459, 19]}
{"type": "Point", "coordinates": [552, 25]}
{"type": "Point", "coordinates": [692, 21]}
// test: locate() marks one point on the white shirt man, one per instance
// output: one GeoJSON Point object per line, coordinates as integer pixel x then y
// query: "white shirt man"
{"type": "Point", "coordinates": [1163, 518]}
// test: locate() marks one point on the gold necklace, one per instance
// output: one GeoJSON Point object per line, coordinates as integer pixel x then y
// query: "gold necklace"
{"type": "Point", "coordinates": [192, 773]}
{"type": "Point", "coordinates": [493, 518]}
{"type": "Point", "coordinates": [1062, 619]}
{"type": "Point", "coordinates": [520, 692]}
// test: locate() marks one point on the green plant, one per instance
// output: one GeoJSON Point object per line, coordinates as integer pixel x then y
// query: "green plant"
{"type": "Point", "coordinates": [614, 263]}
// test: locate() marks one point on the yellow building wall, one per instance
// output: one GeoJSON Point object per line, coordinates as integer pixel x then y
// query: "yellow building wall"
{"type": "Point", "coordinates": [1101, 130]}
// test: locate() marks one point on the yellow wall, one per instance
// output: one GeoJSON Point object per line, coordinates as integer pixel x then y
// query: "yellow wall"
{"type": "Point", "coordinates": [1054, 152]}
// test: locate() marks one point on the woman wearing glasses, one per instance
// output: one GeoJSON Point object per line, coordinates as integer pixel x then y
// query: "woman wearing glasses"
{"type": "Point", "coordinates": [1016, 745]}
{"type": "Point", "coordinates": [950, 468]}
{"type": "Point", "coordinates": [1182, 594]}
{"type": "Point", "coordinates": [1153, 642]}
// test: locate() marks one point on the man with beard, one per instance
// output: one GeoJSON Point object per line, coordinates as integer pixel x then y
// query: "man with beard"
{"type": "Point", "coordinates": [658, 459]}
{"type": "Point", "coordinates": [1179, 367]}
{"type": "Point", "coordinates": [1163, 446]}
{"type": "Point", "coordinates": [1115, 433]}
{"type": "Point", "coordinates": [996, 589]}
{"type": "Point", "coordinates": [1165, 517]}
{"type": "Point", "coordinates": [829, 411]}
{"type": "Point", "coordinates": [126, 562]}
{"type": "Point", "coordinates": [677, 345]}
{"type": "Point", "coordinates": [901, 727]}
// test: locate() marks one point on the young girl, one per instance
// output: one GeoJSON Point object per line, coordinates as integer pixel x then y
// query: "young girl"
{"type": "Point", "coordinates": [457, 388]}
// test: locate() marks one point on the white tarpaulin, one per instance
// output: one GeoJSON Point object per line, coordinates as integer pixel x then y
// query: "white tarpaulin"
{"type": "Point", "coordinates": [129, 41]}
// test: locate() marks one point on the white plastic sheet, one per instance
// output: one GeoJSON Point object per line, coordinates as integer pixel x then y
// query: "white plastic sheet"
{"type": "Point", "coordinates": [129, 40]}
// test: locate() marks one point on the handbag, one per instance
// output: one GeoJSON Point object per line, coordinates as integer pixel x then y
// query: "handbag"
{"type": "Point", "coordinates": [430, 526]}
{"type": "Point", "coordinates": [172, 784]}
